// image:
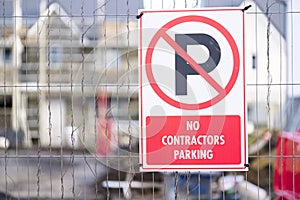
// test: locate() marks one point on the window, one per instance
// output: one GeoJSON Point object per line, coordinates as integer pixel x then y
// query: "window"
{"type": "Point", "coordinates": [6, 54]}
{"type": "Point", "coordinates": [253, 61]}
{"type": "Point", "coordinates": [55, 55]}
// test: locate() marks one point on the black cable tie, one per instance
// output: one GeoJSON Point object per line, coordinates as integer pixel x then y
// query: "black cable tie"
{"type": "Point", "coordinates": [246, 8]}
{"type": "Point", "coordinates": [140, 15]}
{"type": "Point", "coordinates": [247, 165]}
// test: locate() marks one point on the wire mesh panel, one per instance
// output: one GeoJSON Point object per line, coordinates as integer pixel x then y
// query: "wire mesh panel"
{"type": "Point", "coordinates": [69, 103]}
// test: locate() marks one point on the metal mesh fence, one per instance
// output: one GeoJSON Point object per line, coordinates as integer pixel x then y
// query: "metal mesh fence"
{"type": "Point", "coordinates": [69, 103]}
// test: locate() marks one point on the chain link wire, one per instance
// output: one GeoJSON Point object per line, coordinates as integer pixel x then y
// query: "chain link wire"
{"type": "Point", "coordinates": [44, 157]}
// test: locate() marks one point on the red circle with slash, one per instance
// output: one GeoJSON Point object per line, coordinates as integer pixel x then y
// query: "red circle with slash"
{"type": "Point", "coordinates": [222, 92]}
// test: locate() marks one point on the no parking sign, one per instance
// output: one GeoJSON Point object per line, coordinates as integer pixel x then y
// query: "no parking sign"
{"type": "Point", "coordinates": [192, 90]}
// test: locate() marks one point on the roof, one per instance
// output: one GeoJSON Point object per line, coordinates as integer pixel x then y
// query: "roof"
{"type": "Point", "coordinates": [55, 10]}
{"type": "Point", "coordinates": [84, 13]}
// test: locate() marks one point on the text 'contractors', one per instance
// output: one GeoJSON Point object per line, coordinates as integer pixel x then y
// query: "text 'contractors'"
{"type": "Point", "coordinates": [187, 141]}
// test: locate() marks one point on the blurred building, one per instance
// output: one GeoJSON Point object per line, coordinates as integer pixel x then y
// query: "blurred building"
{"type": "Point", "coordinates": [44, 50]}
{"type": "Point", "coordinates": [266, 60]}
{"type": "Point", "coordinates": [57, 56]}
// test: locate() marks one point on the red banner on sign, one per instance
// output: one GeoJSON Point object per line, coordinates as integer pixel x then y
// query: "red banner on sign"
{"type": "Point", "coordinates": [193, 140]}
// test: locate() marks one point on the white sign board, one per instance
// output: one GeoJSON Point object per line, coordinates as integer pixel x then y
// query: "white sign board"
{"type": "Point", "coordinates": [192, 90]}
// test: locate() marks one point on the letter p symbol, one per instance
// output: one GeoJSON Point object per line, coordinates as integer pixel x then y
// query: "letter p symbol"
{"type": "Point", "coordinates": [183, 68]}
